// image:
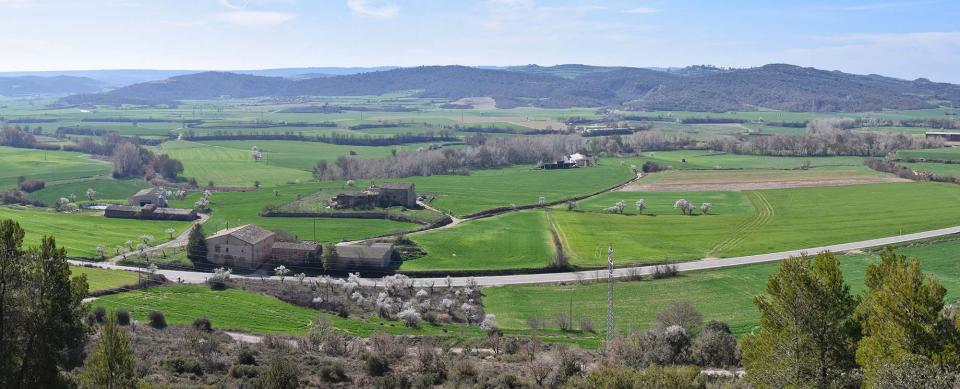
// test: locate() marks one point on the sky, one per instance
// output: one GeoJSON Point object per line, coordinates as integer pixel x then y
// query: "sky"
{"type": "Point", "coordinates": [906, 39]}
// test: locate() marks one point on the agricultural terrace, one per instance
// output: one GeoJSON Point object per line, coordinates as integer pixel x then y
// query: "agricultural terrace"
{"type": "Point", "coordinates": [723, 294]}
{"type": "Point", "coordinates": [238, 310]}
{"type": "Point", "coordinates": [694, 180]}
{"type": "Point", "coordinates": [81, 233]}
{"type": "Point", "coordinates": [713, 160]}
{"type": "Point", "coordinates": [50, 166]}
{"type": "Point", "coordinates": [236, 208]}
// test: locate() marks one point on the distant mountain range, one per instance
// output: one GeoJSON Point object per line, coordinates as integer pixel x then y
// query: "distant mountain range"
{"type": "Point", "coordinates": [701, 88]}
{"type": "Point", "coordinates": [123, 77]}
{"type": "Point", "coordinates": [58, 85]}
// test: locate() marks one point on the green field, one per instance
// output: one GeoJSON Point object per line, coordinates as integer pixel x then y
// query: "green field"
{"type": "Point", "coordinates": [229, 166]}
{"type": "Point", "coordinates": [743, 223]}
{"type": "Point", "coordinates": [81, 233]}
{"type": "Point", "coordinates": [944, 169]}
{"type": "Point", "coordinates": [236, 208]}
{"type": "Point", "coordinates": [725, 294]}
{"type": "Point", "coordinates": [100, 279]}
{"type": "Point", "coordinates": [107, 189]}
{"type": "Point", "coordinates": [947, 153]}
{"type": "Point", "coordinates": [518, 240]}
{"type": "Point", "coordinates": [705, 159]}
{"type": "Point", "coordinates": [783, 219]}
{"type": "Point", "coordinates": [50, 166]}
{"type": "Point", "coordinates": [233, 309]}
{"type": "Point", "coordinates": [520, 185]}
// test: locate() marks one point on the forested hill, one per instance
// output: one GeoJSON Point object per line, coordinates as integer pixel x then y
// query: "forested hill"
{"type": "Point", "coordinates": [58, 85]}
{"type": "Point", "coordinates": [777, 86]}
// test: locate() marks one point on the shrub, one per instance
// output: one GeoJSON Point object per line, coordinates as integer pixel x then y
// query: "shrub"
{"type": "Point", "coordinates": [157, 320]}
{"type": "Point", "coordinates": [664, 271]}
{"type": "Point", "coordinates": [282, 373]}
{"type": "Point", "coordinates": [31, 186]}
{"type": "Point", "coordinates": [184, 365]}
{"type": "Point", "coordinates": [563, 321]}
{"type": "Point", "coordinates": [392, 381]}
{"type": "Point", "coordinates": [586, 324]}
{"type": "Point", "coordinates": [246, 356]}
{"type": "Point", "coordinates": [243, 371]}
{"type": "Point", "coordinates": [123, 317]}
{"type": "Point", "coordinates": [99, 314]}
{"type": "Point", "coordinates": [203, 324]}
{"type": "Point", "coordinates": [680, 313]}
{"type": "Point", "coordinates": [715, 347]}
{"type": "Point", "coordinates": [463, 370]}
{"type": "Point", "coordinates": [333, 372]}
{"type": "Point", "coordinates": [377, 365]}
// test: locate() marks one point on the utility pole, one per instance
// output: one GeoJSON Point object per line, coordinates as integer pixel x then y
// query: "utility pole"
{"type": "Point", "coordinates": [610, 328]}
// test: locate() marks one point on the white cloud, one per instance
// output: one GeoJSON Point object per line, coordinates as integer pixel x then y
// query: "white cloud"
{"type": "Point", "coordinates": [641, 11]}
{"type": "Point", "coordinates": [367, 8]}
{"type": "Point", "coordinates": [254, 18]}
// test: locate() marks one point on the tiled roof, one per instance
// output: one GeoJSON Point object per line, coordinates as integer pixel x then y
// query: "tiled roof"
{"type": "Point", "coordinates": [397, 185]}
{"type": "Point", "coordinates": [250, 233]}
{"type": "Point", "coordinates": [125, 208]}
{"type": "Point", "coordinates": [303, 246]}
{"type": "Point", "coordinates": [375, 251]}
{"type": "Point", "coordinates": [147, 192]}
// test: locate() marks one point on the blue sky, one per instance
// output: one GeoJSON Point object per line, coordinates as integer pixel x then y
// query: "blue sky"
{"type": "Point", "coordinates": [907, 39]}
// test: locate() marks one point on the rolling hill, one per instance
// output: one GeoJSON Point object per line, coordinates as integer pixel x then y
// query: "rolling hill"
{"type": "Point", "coordinates": [775, 86]}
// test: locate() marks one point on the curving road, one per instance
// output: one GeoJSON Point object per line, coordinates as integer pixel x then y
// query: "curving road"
{"type": "Point", "coordinates": [705, 264]}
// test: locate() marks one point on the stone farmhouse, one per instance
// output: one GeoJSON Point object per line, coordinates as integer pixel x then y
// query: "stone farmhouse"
{"type": "Point", "coordinates": [250, 246]}
{"type": "Point", "coordinates": [385, 195]}
{"type": "Point", "coordinates": [244, 246]}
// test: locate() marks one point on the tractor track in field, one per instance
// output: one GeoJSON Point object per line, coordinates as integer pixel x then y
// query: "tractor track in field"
{"type": "Point", "coordinates": [764, 216]}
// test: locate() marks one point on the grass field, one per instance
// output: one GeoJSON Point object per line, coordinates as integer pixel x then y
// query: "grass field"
{"type": "Point", "coordinates": [236, 208]}
{"type": "Point", "coordinates": [706, 159]}
{"type": "Point", "coordinates": [99, 279]}
{"type": "Point", "coordinates": [229, 166]}
{"type": "Point", "coordinates": [946, 153]}
{"type": "Point", "coordinates": [511, 241]}
{"type": "Point", "coordinates": [945, 169]}
{"type": "Point", "coordinates": [764, 178]}
{"type": "Point", "coordinates": [725, 294]}
{"type": "Point", "coordinates": [81, 233]}
{"type": "Point", "coordinates": [492, 188]}
{"type": "Point", "coordinates": [746, 223]}
{"type": "Point", "coordinates": [304, 155]}
{"type": "Point", "coordinates": [238, 310]}
{"type": "Point", "coordinates": [783, 219]}
{"type": "Point", "coordinates": [50, 166]}
{"type": "Point", "coordinates": [107, 189]}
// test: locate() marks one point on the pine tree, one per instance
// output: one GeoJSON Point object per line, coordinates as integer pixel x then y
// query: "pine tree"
{"type": "Point", "coordinates": [41, 310]}
{"type": "Point", "coordinates": [902, 318]}
{"type": "Point", "coordinates": [197, 245]}
{"type": "Point", "coordinates": [111, 363]}
{"type": "Point", "coordinates": [807, 333]}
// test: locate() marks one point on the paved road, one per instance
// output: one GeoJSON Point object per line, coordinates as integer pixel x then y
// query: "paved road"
{"type": "Point", "coordinates": [705, 264]}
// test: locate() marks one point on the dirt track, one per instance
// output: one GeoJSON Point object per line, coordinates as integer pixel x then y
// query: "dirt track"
{"type": "Point", "coordinates": [755, 185]}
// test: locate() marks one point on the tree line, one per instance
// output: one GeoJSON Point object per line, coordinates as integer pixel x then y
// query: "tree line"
{"type": "Point", "coordinates": [491, 153]}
